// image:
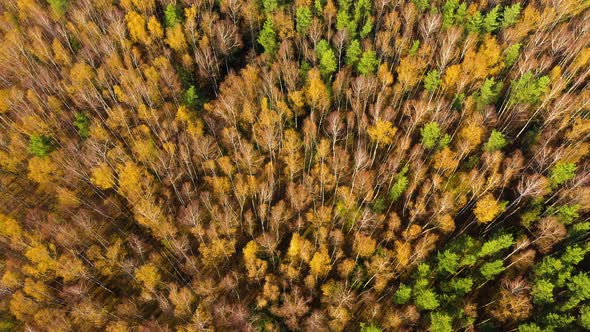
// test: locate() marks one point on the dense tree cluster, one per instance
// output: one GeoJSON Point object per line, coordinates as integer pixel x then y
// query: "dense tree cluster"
{"type": "Point", "coordinates": [271, 165]}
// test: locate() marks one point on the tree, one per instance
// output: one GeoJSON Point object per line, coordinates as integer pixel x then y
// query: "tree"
{"type": "Point", "coordinates": [268, 38]}
{"type": "Point", "coordinates": [490, 270]}
{"type": "Point", "coordinates": [490, 22]}
{"type": "Point", "coordinates": [426, 299]}
{"type": "Point", "coordinates": [368, 63]}
{"type": "Point", "coordinates": [528, 89]}
{"type": "Point", "coordinates": [448, 262]}
{"type": "Point", "coordinates": [399, 186]}
{"type": "Point", "coordinates": [510, 15]}
{"type": "Point", "coordinates": [432, 80]}
{"type": "Point", "coordinates": [584, 318]}
{"type": "Point", "coordinates": [304, 17]}
{"type": "Point", "coordinates": [353, 52]}
{"type": "Point", "coordinates": [403, 294]}
{"type": "Point", "coordinates": [487, 208]}
{"type": "Point", "coordinates": [543, 291]}
{"type": "Point", "coordinates": [495, 142]}
{"type": "Point", "coordinates": [511, 54]}
{"type": "Point", "coordinates": [148, 275]}
{"type": "Point", "coordinates": [40, 145]}
{"type": "Point", "coordinates": [561, 173]}
{"type": "Point", "coordinates": [58, 7]}
{"type": "Point", "coordinates": [171, 15]}
{"type": "Point", "coordinates": [430, 134]}
{"type": "Point", "coordinates": [328, 61]}
{"type": "Point", "coordinates": [82, 123]}
{"type": "Point", "coordinates": [495, 245]}
{"type": "Point", "coordinates": [382, 132]}
{"type": "Point", "coordinates": [440, 322]}
{"type": "Point", "coordinates": [370, 328]}
{"type": "Point", "coordinates": [320, 264]}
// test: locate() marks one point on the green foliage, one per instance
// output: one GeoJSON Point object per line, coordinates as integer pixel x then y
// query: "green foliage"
{"type": "Point", "coordinates": [432, 80]}
{"type": "Point", "coordinates": [353, 52]}
{"type": "Point", "coordinates": [573, 255]}
{"type": "Point", "coordinates": [367, 27]}
{"type": "Point", "coordinates": [490, 270]}
{"type": "Point", "coordinates": [191, 97]}
{"type": "Point", "coordinates": [172, 15]}
{"type": "Point", "coordinates": [530, 327]}
{"type": "Point", "coordinates": [511, 54]}
{"type": "Point", "coordinates": [328, 61]}
{"type": "Point", "coordinates": [510, 15]}
{"type": "Point", "coordinates": [270, 6]}
{"type": "Point", "coordinates": [58, 7]}
{"type": "Point", "coordinates": [548, 267]}
{"type": "Point", "coordinates": [556, 321]}
{"type": "Point", "coordinates": [448, 12]}
{"type": "Point", "coordinates": [474, 22]}
{"type": "Point", "coordinates": [440, 322]}
{"type": "Point", "coordinates": [584, 319]}
{"type": "Point", "coordinates": [370, 328]}
{"type": "Point", "coordinates": [461, 286]}
{"type": "Point", "coordinates": [528, 89]}
{"type": "Point", "coordinates": [568, 213]}
{"type": "Point", "coordinates": [268, 38]}
{"type": "Point", "coordinates": [488, 93]}
{"type": "Point", "coordinates": [399, 186]}
{"type": "Point", "coordinates": [490, 22]}
{"type": "Point", "coordinates": [40, 145]}
{"type": "Point", "coordinates": [304, 18]}
{"type": "Point", "coordinates": [495, 142]}
{"type": "Point", "coordinates": [579, 286]}
{"type": "Point", "coordinates": [402, 295]}
{"type": "Point", "coordinates": [430, 134]}
{"type": "Point", "coordinates": [368, 63]}
{"type": "Point", "coordinates": [561, 173]}
{"type": "Point", "coordinates": [378, 205]}
{"type": "Point", "coordinates": [543, 291]}
{"type": "Point", "coordinates": [422, 5]}
{"type": "Point", "coordinates": [82, 123]}
{"type": "Point", "coordinates": [444, 141]}
{"type": "Point", "coordinates": [448, 261]}
{"type": "Point", "coordinates": [426, 300]}
{"type": "Point", "coordinates": [414, 49]}
{"type": "Point", "coordinates": [496, 245]}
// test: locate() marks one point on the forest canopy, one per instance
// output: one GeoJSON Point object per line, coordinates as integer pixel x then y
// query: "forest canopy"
{"type": "Point", "coordinates": [276, 165]}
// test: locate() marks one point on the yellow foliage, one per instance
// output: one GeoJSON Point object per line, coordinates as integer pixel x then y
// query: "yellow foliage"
{"type": "Point", "coordinates": [409, 71]}
{"type": "Point", "coordinates": [136, 26]}
{"type": "Point", "coordinates": [256, 267]}
{"type": "Point", "coordinates": [316, 92]}
{"type": "Point", "coordinates": [102, 176]}
{"type": "Point", "coordinates": [60, 53]}
{"type": "Point", "coordinates": [382, 132]}
{"type": "Point", "coordinates": [4, 100]}
{"type": "Point", "coordinates": [364, 245]}
{"type": "Point", "coordinates": [175, 38]}
{"type": "Point", "coordinates": [319, 265]}
{"type": "Point", "coordinates": [471, 136]}
{"type": "Point", "coordinates": [10, 228]}
{"type": "Point", "coordinates": [36, 289]}
{"type": "Point", "coordinates": [487, 208]}
{"type": "Point", "coordinates": [451, 77]}
{"type": "Point", "coordinates": [403, 251]}
{"type": "Point", "coordinates": [155, 28]}
{"type": "Point", "coordinates": [294, 246]}
{"type": "Point", "coordinates": [148, 275]}
{"type": "Point", "coordinates": [43, 170]}
{"type": "Point", "coordinates": [39, 255]}
{"type": "Point", "coordinates": [11, 279]}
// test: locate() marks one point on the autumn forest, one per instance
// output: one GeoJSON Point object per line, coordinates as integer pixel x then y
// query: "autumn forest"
{"type": "Point", "coordinates": [305, 165]}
